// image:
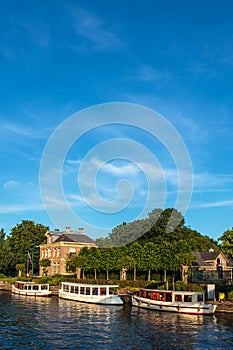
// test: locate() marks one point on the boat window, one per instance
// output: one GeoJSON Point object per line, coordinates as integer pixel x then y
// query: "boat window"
{"type": "Point", "coordinates": [153, 296]}
{"type": "Point", "coordinates": [71, 289]}
{"type": "Point", "coordinates": [103, 291]}
{"type": "Point", "coordinates": [66, 287]}
{"type": "Point", "coordinates": [87, 290]}
{"type": "Point", "coordinates": [161, 296]}
{"type": "Point", "coordinates": [35, 287]}
{"type": "Point", "coordinates": [178, 297]}
{"type": "Point", "coordinates": [76, 290]}
{"type": "Point", "coordinates": [187, 298]}
{"type": "Point", "coordinates": [44, 287]}
{"type": "Point", "coordinates": [94, 291]}
{"type": "Point", "coordinates": [168, 296]}
{"type": "Point", "coordinates": [200, 297]}
{"type": "Point", "coordinates": [148, 295]}
{"type": "Point", "coordinates": [82, 290]}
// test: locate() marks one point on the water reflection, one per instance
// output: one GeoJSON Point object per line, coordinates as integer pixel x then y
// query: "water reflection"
{"type": "Point", "coordinates": [52, 323]}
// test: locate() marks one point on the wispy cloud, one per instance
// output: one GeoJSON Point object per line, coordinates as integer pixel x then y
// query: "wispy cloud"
{"type": "Point", "coordinates": [93, 30]}
{"type": "Point", "coordinates": [31, 207]}
{"type": "Point", "coordinates": [11, 185]}
{"type": "Point", "coordinates": [206, 181]}
{"type": "Point", "coordinates": [13, 128]}
{"type": "Point", "coordinates": [217, 204]}
{"type": "Point", "coordinates": [145, 73]}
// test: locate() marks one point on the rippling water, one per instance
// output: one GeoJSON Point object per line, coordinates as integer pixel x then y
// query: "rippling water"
{"type": "Point", "coordinates": [52, 323]}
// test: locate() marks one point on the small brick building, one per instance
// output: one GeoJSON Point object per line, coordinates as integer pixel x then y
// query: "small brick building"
{"type": "Point", "coordinates": [60, 245]}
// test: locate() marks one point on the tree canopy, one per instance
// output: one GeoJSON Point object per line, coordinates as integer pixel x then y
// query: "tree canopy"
{"type": "Point", "coordinates": [25, 238]}
{"type": "Point", "coordinates": [161, 225]}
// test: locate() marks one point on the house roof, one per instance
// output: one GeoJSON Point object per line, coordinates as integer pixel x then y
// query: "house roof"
{"type": "Point", "coordinates": [199, 260]}
{"type": "Point", "coordinates": [204, 258]}
{"type": "Point", "coordinates": [74, 237]}
{"type": "Point", "coordinates": [210, 256]}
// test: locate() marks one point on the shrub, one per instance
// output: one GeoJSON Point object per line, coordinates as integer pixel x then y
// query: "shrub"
{"type": "Point", "coordinates": [230, 295]}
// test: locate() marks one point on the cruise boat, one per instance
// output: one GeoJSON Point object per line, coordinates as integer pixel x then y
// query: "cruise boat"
{"type": "Point", "coordinates": [174, 301]}
{"type": "Point", "coordinates": [31, 289]}
{"type": "Point", "coordinates": [90, 293]}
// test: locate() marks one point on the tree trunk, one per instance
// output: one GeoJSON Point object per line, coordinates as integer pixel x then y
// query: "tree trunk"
{"type": "Point", "coordinates": [184, 273]}
{"type": "Point", "coordinates": [148, 279]}
{"type": "Point", "coordinates": [83, 274]}
{"type": "Point", "coordinates": [165, 275]}
{"type": "Point", "coordinates": [78, 272]}
{"type": "Point", "coordinates": [134, 272]}
{"type": "Point", "coordinates": [123, 274]}
{"type": "Point", "coordinates": [107, 275]}
{"type": "Point", "coordinates": [95, 274]}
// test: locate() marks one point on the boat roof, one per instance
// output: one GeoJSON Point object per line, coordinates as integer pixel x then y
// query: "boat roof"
{"type": "Point", "coordinates": [29, 282]}
{"type": "Point", "coordinates": [92, 285]}
{"type": "Point", "coordinates": [171, 291]}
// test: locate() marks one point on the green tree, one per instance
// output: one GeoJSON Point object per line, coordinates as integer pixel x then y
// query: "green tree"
{"type": "Point", "coordinates": [125, 263]}
{"type": "Point", "coordinates": [136, 252]}
{"type": "Point", "coordinates": [227, 242]}
{"type": "Point", "coordinates": [108, 259]}
{"type": "Point", "coordinates": [150, 258]}
{"type": "Point", "coordinates": [94, 260]}
{"type": "Point", "coordinates": [5, 255]}
{"type": "Point", "coordinates": [167, 258]}
{"type": "Point", "coordinates": [45, 263]}
{"type": "Point", "coordinates": [26, 237]}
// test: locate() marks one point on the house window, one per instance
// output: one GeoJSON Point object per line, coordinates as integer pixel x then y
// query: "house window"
{"type": "Point", "coordinates": [49, 252]}
{"type": "Point", "coordinates": [58, 252]}
{"type": "Point", "coordinates": [54, 252]}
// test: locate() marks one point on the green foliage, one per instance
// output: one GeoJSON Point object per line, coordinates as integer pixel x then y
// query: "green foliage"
{"type": "Point", "coordinates": [227, 242]}
{"type": "Point", "coordinates": [45, 262]}
{"type": "Point", "coordinates": [182, 286]}
{"type": "Point", "coordinates": [230, 295]}
{"type": "Point", "coordinates": [26, 237]}
{"type": "Point", "coordinates": [161, 225]}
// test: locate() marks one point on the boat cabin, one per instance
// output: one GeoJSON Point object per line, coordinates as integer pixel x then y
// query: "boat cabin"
{"type": "Point", "coordinates": [31, 286]}
{"type": "Point", "coordinates": [83, 289]}
{"type": "Point", "coordinates": [172, 296]}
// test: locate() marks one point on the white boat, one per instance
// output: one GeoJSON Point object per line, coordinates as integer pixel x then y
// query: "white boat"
{"type": "Point", "coordinates": [90, 293]}
{"type": "Point", "coordinates": [174, 301]}
{"type": "Point", "coordinates": [31, 289]}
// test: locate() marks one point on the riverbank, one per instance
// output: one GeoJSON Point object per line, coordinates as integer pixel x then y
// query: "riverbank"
{"type": "Point", "coordinates": [222, 307]}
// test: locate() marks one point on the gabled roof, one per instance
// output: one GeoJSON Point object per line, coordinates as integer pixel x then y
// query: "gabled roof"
{"type": "Point", "coordinates": [204, 258]}
{"type": "Point", "coordinates": [74, 237]}
{"type": "Point", "coordinates": [210, 256]}
{"type": "Point", "coordinates": [199, 260]}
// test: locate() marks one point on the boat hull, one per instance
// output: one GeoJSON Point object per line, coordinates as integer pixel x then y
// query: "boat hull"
{"type": "Point", "coordinates": [108, 300]}
{"type": "Point", "coordinates": [184, 308]}
{"type": "Point", "coordinates": [28, 293]}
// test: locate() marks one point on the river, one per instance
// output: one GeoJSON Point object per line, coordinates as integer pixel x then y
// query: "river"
{"type": "Point", "coordinates": [53, 323]}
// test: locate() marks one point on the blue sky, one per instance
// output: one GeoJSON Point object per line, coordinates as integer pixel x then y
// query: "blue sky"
{"type": "Point", "coordinates": [58, 58]}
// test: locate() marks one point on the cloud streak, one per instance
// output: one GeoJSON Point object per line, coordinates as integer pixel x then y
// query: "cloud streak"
{"type": "Point", "coordinates": [93, 29]}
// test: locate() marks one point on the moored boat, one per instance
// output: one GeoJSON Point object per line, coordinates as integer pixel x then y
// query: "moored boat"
{"type": "Point", "coordinates": [31, 289]}
{"type": "Point", "coordinates": [90, 293]}
{"type": "Point", "coordinates": [174, 301]}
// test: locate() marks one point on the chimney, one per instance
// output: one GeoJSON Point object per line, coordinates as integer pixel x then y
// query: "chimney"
{"type": "Point", "coordinates": [67, 229]}
{"type": "Point", "coordinates": [81, 230]}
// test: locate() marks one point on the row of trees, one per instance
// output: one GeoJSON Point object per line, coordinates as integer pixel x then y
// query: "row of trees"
{"type": "Point", "coordinates": [145, 245]}
{"type": "Point", "coordinates": [150, 257]}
